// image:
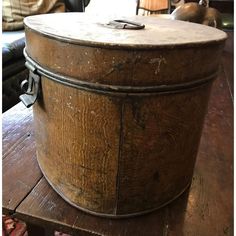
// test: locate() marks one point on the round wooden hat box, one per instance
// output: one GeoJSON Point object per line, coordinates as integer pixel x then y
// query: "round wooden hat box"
{"type": "Point", "coordinates": [119, 106]}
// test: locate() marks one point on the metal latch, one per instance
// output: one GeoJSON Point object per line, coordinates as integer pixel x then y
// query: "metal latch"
{"type": "Point", "coordinates": [32, 85]}
{"type": "Point", "coordinates": [125, 24]}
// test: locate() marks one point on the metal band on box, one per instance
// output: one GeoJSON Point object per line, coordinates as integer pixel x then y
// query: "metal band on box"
{"type": "Point", "coordinates": [36, 69]}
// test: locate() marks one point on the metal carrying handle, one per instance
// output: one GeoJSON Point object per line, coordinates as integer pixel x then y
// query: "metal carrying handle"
{"type": "Point", "coordinates": [31, 93]}
{"type": "Point", "coordinates": [125, 24]}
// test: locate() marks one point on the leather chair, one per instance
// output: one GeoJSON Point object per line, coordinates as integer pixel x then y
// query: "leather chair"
{"type": "Point", "coordinates": [13, 68]}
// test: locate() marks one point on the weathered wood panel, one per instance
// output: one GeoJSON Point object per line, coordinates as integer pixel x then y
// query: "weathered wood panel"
{"type": "Point", "coordinates": [124, 67]}
{"type": "Point", "coordinates": [13, 122]}
{"type": "Point", "coordinates": [119, 119]}
{"type": "Point", "coordinates": [228, 57]}
{"type": "Point", "coordinates": [45, 207]}
{"type": "Point", "coordinates": [77, 135]}
{"type": "Point", "coordinates": [20, 167]}
{"type": "Point", "coordinates": [160, 139]}
{"type": "Point", "coordinates": [206, 210]}
{"type": "Point", "coordinates": [209, 210]}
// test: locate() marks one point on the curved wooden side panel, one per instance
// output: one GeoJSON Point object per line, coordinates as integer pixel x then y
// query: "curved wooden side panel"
{"type": "Point", "coordinates": [77, 135]}
{"type": "Point", "coordinates": [160, 139]}
{"type": "Point", "coordinates": [118, 155]}
{"type": "Point", "coordinates": [162, 66]}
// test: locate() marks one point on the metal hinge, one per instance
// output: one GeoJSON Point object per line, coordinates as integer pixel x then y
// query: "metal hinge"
{"type": "Point", "coordinates": [30, 86]}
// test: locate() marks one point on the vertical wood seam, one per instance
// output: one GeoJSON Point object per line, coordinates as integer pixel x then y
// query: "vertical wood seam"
{"type": "Point", "coordinates": [119, 154]}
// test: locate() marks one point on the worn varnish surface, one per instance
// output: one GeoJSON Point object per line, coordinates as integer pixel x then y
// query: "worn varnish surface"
{"type": "Point", "coordinates": [150, 172]}
{"type": "Point", "coordinates": [227, 60]}
{"type": "Point", "coordinates": [210, 202]}
{"type": "Point", "coordinates": [81, 159]}
{"type": "Point", "coordinates": [109, 153]}
{"type": "Point", "coordinates": [105, 56]}
{"type": "Point", "coordinates": [20, 168]}
{"type": "Point", "coordinates": [91, 30]}
{"type": "Point", "coordinates": [14, 122]}
{"type": "Point", "coordinates": [207, 209]}
{"type": "Point", "coordinates": [113, 66]}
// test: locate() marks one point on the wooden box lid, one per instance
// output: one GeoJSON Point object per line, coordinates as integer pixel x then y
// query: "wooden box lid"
{"type": "Point", "coordinates": [84, 49]}
{"type": "Point", "coordinates": [82, 28]}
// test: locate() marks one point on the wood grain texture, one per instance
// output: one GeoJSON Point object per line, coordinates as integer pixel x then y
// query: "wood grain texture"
{"type": "Point", "coordinates": [207, 209]}
{"type": "Point", "coordinates": [228, 57]}
{"type": "Point", "coordinates": [114, 158]}
{"type": "Point", "coordinates": [159, 147]}
{"type": "Point", "coordinates": [109, 153]}
{"type": "Point", "coordinates": [77, 137]}
{"type": "Point", "coordinates": [131, 67]}
{"type": "Point", "coordinates": [158, 32]}
{"type": "Point", "coordinates": [14, 121]}
{"type": "Point", "coordinates": [20, 168]}
{"type": "Point", "coordinates": [44, 207]}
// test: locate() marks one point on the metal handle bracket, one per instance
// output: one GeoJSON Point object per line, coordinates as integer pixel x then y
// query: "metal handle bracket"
{"type": "Point", "coordinates": [32, 91]}
{"type": "Point", "coordinates": [125, 24]}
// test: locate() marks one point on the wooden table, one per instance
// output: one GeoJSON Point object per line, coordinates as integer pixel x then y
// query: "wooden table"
{"type": "Point", "coordinates": [205, 210]}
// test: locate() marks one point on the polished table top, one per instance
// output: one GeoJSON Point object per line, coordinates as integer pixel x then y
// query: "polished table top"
{"type": "Point", "coordinates": [205, 209]}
